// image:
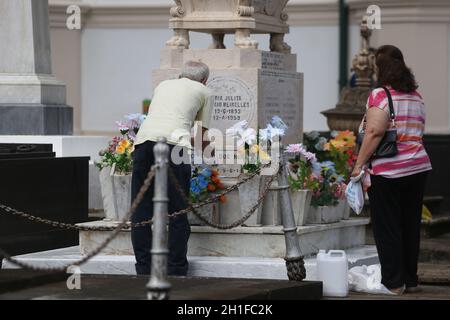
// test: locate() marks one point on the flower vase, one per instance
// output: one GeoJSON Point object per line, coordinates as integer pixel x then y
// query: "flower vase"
{"type": "Point", "coordinates": [240, 201]}
{"type": "Point", "coordinates": [323, 215]}
{"type": "Point", "coordinates": [271, 215]}
{"type": "Point", "coordinates": [301, 203]}
{"type": "Point", "coordinates": [116, 193]}
{"type": "Point", "coordinates": [209, 211]}
{"type": "Point", "coordinates": [249, 193]}
{"type": "Point", "coordinates": [344, 209]}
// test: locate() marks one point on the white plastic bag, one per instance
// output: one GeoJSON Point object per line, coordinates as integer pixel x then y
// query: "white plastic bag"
{"type": "Point", "coordinates": [367, 279]}
{"type": "Point", "coordinates": [354, 193]}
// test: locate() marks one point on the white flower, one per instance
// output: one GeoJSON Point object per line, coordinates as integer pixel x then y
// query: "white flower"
{"type": "Point", "coordinates": [278, 123]}
{"type": "Point", "coordinates": [237, 129]}
{"type": "Point", "coordinates": [264, 134]}
{"type": "Point", "coordinates": [249, 136]}
{"type": "Point", "coordinates": [276, 132]}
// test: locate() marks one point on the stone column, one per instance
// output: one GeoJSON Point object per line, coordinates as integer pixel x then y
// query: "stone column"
{"type": "Point", "coordinates": [32, 100]}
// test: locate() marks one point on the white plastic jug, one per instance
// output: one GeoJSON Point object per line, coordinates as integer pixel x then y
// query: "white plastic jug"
{"type": "Point", "coordinates": [332, 270]}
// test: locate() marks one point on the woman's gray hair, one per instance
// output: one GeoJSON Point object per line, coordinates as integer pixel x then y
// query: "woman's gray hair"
{"type": "Point", "coordinates": [194, 70]}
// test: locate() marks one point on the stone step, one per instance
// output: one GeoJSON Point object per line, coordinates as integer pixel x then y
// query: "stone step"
{"type": "Point", "coordinates": [100, 287]}
{"type": "Point", "coordinates": [214, 267]}
{"type": "Point", "coordinates": [438, 225]}
{"type": "Point", "coordinates": [433, 203]}
{"type": "Point", "coordinates": [257, 241]}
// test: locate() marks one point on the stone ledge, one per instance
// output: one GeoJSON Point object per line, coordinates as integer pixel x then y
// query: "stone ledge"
{"type": "Point", "coordinates": [216, 267]}
{"type": "Point", "coordinates": [267, 241]}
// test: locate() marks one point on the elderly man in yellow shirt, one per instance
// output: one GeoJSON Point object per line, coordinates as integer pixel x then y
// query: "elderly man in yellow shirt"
{"type": "Point", "coordinates": [176, 105]}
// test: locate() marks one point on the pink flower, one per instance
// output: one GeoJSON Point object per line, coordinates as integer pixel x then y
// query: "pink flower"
{"type": "Point", "coordinates": [295, 148]}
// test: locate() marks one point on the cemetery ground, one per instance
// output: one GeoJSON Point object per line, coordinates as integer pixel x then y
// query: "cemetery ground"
{"type": "Point", "coordinates": [434, 279]}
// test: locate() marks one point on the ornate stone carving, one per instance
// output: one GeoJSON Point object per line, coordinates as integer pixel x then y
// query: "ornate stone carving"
{"type": "Point", "coordinates": [271, 7]}
{"type": "Point", "coordinates": [177, 11]}
{"type": "Point", "coordinates": [180, 39]}
{"type": "Point", "coordinates": [245, 8]}
{"type": "Point", "coordinates": [241, 17]}
{"type": "Point", "coordinates": [351, 106]}
{"type": "Point", "coordinates": [277, 43]}
{"type": "Point", "coordinates": [242, 39]}
{"type": "Point", "coordinates": [364, 62]}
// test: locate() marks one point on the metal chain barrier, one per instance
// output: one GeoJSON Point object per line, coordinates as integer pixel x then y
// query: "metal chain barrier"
{"type": "Point", "coordinates": [147, 183]}
{"type": "Point", "coordinates": [209, 223]}
{"type": "Point", "coordinates": [67, 226]}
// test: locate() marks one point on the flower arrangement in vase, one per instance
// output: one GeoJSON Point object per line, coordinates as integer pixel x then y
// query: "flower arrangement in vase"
{"type": "Point", "coordinates": [330, 174]}
{"type": "Point", "coordinates": [115, 167]}
{"type": "Point", "coordinates": [253, 149]}
{"type": "Point", "coordinates": [301, 180]}
{"type": "Point", "coordinates": [205, 182]}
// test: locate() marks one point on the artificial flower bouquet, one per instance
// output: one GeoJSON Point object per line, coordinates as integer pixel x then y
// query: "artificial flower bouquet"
{"type": "Point", "coordinates": [300, 166]}
{"type": "Point", "coordinates": [119, 150]}
{"type": "Point", "coordinates": [330, 173]}
{"type": "Point", "coordinates": [204, 183]}
{"type": "Point", "coordinates": [254, 146]}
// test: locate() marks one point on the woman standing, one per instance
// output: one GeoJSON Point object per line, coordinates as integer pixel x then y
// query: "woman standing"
{"type": "Point", "coordinates": [397, 183]}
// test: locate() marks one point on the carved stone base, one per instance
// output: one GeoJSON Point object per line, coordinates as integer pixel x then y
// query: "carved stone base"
{"type": "Point", "coordinates": [277, 43]}
{"type": "Point", "coordinates": [179, 40]}
{"type": "Point", "coordinates": [243, 40]}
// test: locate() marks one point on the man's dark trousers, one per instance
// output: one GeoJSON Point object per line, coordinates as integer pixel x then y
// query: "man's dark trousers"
{"type": "Point", "coordinates": [179, 229]}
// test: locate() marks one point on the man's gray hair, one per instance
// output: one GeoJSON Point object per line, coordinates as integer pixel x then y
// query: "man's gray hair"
{"type": "Point", "coordinates": [194, 70]}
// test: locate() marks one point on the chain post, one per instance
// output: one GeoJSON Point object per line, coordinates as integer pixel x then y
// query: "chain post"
{"type": "Point", "coordinates": [158, 287]}
{"type": "Point", "coordinates": [294, 259]}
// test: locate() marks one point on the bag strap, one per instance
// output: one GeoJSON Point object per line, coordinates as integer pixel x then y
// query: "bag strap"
{"type": "Point", "coordinates": [391, 105]}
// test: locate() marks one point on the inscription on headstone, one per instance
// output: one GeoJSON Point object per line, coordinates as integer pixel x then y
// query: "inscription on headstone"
{"type": "Point", "coordinates": [273, 60]}
{"type": "Point", "coordinates": [232, 102]}
{"type": "Point", "coordinates": [281, 95]}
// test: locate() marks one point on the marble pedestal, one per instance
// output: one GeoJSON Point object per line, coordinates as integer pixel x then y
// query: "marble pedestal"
{"type": "Point", "coordinates": [36, 119]}
{"type": "Point", "coordinates": [246, 84]}
{"type": "Point", "coordinates": [32, 100]}
{"type": "Point", "coordinates": [262, 242]}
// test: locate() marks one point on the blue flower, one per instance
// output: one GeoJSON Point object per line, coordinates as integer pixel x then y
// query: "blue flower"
{"type": "Point", "coordinates": [317, 167]}
{"type": "Point", "coordinates": [313, 135]}
{"type": "Point", "coordinates": [195, 187]}
{"type": "Point", "coordinates": [206, 172]}
{"type": "Point", "coordinates": [202, 183]}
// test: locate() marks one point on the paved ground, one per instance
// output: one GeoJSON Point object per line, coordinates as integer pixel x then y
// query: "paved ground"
{"type": "Point", "coordinates": [428, 293]}
{"type": "Point", "coordinates": [94, 287]}
{"type": "Point", "coordinates": [434, 270]}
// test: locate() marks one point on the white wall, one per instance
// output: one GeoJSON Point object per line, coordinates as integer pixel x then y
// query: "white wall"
{"type": "Point", "coordinates": [116, 73]}
{"type": "Point", "coordinates": [317, 48]}
{"type": "Point", "coordinates": [117, 64]}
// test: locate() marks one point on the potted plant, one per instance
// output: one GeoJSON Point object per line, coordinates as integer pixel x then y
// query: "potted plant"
{"type": "Point", "coordinates": [204, 184]}
{"type": "Point", "coordinates": [116, 166]}
{"type": "Point", "coordinates": [146, 105]}
{"type": "Point", "coordinates": [301, 180]}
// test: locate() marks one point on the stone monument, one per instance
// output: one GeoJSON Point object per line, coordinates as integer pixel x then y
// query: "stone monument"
{"type": "Point", "coordinates": [32, 100]}
{"type": "Point", "coordinates": [248, 84]}
{"type": "Point", "coordinates": [352, 104]}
